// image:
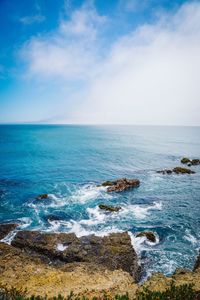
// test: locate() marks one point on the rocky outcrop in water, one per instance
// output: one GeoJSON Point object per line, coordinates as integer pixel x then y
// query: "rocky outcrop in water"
{"type": "Point", "coordinates": [177, 170]}
{"type": "Point", "coordinates": [121, 184]}
{"type": "Point", "coordinates": [148, 234]}
{"type": "Point", "coordinates": [180, 170]}
{"type": "Point", "coordinates": [190, 162]}
{"type": "Point", "coordinates": [42, 197]}
{"type": "Point", "coordinates": [113, 252]}
{"type": "Point", "coordinates": [109, 208]}
{"type": "Point", "coordinates": [5, 229]}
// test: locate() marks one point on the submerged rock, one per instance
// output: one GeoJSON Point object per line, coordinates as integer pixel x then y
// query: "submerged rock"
{"type": "Point", "coordinates": [5, 229]}
{"type": "Point", "coordinates": [165, 171]}
{"type": "Point", "coordinates": [148, 234]}
{"type": "Point", "coordinates": [113, 252]}
{"type": "Point", "coordinates": [121, 184]}
{"type": "Point", "coordinates": [180, 170]}
{"type": "Point", "coordinates": [109, 208]}
{"type": "Point", "coordinates": [42, 196]}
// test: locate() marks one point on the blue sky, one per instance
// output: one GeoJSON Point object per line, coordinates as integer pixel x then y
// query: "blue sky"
{"type": "Point", "coordinates": [112, 61]}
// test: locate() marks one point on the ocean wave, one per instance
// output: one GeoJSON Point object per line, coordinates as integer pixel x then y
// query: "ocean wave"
{"type": "Point", "coordinates": [190, 238]}
{"type": "Point", "coordinates": [141, 211]}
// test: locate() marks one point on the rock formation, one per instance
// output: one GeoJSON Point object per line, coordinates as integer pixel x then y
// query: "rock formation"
{"type": "Point", "coordinates": [42, 197]}
{"type": "Point", "coordinates": [113, 252]}
{"type": "Point", "coordinates": [176, 170]}
{"type": "Point", "coordinates": [121, 184]}
{"type": "Point", "coordinates": [148, 234]}
{"type": "Point", "coordinates": [109, 208]}
{"type": "Point", "coordinates": [5, 229]}
{"type": "Point", "coordinates": [190, 162]}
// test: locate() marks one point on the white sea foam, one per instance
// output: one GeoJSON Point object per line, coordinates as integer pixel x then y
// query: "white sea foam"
{"type": "Point", "coordinates": [89, 192]}
{"type": "Point", "coordinates": [8, 238]}
{"type": "Point", "coordinates": [61, 247]}
{"type": "Point", "coordinates": [25, 222]}
{"type": "Point", "coordinates": [191, 238]}
{"type": "Point", "coordinates": [141, 211]}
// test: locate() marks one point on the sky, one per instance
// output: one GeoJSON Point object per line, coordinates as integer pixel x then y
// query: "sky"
{"type": "Point", "coordinates": [100, 62]}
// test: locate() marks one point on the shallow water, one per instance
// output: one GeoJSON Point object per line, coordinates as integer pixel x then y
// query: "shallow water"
{"type": "Point", "coordinates": [68, 162]}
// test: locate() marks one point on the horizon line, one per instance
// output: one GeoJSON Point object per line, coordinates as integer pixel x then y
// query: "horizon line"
{"type": "Point", "coordinates": [95, 124]}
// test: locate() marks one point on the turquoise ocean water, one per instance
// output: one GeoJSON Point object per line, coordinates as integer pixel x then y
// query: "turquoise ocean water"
{"type": "Point", "coordinates": [69, 162]}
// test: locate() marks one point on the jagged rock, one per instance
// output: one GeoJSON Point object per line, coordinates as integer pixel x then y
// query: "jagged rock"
{"type": "Point", "coordinates": [197, 263]}
{"type": "Point", "coordinates": [42, 196]}
{"type": "Point", "coordinates": [190, 162]}
{"type": "Point", "coordinates": [185, 160]}
{"type": "Point", "coordinates": [121, 184]}
{"type": "Point", "coordinates": [181, 271]}
{"type": "Point", "coordinates": [195, 162]}
{"type": "Point", "coordinates": [177, 170]}
{"type": "Point", "coordinates": [180, 170]}
{"type": "Point", "coordinates": [148, 234]}
{"type": "Point", "coordinates": [5, 229]}
{"type": "Point", "coordinates": [23, 271]}
{"type": "Point", "coordinates": [109, 208]}
{"type": "Point", "coordinates": [113, 252]}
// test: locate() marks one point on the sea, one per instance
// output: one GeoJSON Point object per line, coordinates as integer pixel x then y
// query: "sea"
{"type": "Point", "coordinates": [69, 162]}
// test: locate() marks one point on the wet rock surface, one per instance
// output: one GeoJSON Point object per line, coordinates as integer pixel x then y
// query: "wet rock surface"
{"type": "Point", "coordinates": [113, 252]}
{"type": "Point", "coordinates": [190, 162]}
{"type": "Point", "coordinates": [148, 234]}
{"type": "Point", "coordinates": [5, 229]}
{"type": "Point", "coordinates": [42, 197]}
{"type": "Point", "coordinates": [176, 170]}
{"type": "Point", "coordinates": [121, 184]}
{"type": "Point", "coordinates": [109, 208]}
{"type": "Point", "coordinates": [180, 170]}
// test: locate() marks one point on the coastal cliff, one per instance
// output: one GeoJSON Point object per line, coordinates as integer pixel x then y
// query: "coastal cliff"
{"type": "Point", "coordinates": [52, 264]}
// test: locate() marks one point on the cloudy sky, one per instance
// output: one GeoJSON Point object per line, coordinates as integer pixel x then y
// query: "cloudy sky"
{"type": "Point", "coordinates": [100, 62]}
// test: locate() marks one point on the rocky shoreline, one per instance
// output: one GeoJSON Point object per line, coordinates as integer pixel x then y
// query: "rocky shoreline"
{"type": "Point", "coordinates": [58, 263]}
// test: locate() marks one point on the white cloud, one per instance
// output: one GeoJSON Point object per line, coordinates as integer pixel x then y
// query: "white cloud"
{"type": "Point", "coordinates": [28, 20]}
{"type": "Point", "coordinates": [150, 76]}
{"type": "Point", "coordinates": [69, 52]}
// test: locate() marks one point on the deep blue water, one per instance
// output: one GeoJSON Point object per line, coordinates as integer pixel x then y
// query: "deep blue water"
{"type": "Point", "coordinates": [68, 162]}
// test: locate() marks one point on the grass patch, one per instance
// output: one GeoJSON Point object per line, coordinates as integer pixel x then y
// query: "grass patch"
{"type": "Point", "coordinates": [182, 292]}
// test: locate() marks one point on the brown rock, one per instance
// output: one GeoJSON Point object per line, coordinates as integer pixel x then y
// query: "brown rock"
{"type": "Point", "coordinates": [195, 162]}
{"type": "Point", "coordinates": [185, 160]}
{"type": "Point", "coordinates": [109, 208]}
{"type": "Point", "coordinates": [113, 252]}
{"type": "Point", "coordinates": [121, 184]}
{"type": "Point", "coordinates": [5, 229]}
{"type": "Point", "coordinates": [42, 197]}
{"type": "Point", "coordinates": [148, 234]}
{"type": "Point", "coordinates": [23, 271]}
{"type": "Point", "coordinates": [177, 170]}
{"type": "Point", "coordinates": [180, 170]}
